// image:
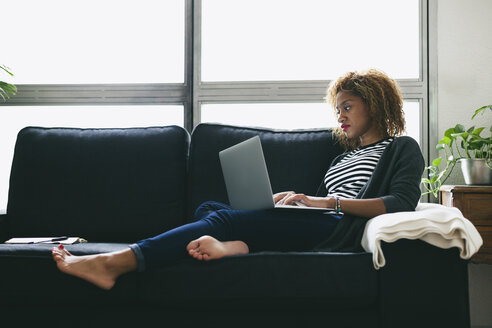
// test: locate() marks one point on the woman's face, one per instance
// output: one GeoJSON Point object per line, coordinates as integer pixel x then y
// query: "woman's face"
{"type": "Point", "coordinates": [355, 119]}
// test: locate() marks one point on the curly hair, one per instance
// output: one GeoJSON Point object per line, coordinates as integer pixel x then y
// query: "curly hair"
{"type": "Point", "coordinates": [380, 93]}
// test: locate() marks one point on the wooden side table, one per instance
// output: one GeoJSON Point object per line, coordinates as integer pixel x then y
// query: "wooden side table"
{"type": "Point", "coordinates": [475, 202]}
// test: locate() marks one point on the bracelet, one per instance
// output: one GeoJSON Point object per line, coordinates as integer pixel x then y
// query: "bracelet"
{"type": "Point", "coordinates": [338, 208]}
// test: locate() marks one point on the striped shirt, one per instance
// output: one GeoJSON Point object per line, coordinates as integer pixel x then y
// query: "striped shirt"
{"type": "Point", "coordinates": [346, 178]}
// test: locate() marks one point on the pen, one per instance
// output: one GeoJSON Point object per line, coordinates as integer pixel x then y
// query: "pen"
{"type": "Point", "coordinates": [49, 240]}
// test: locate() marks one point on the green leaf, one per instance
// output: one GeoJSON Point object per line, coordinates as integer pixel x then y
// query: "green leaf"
{"type": "Point", "coordinates": [477, 131]}
{"type": "Point", "coordinates": [461, 134]}
{"type": "Point", "coordinates": [459, 128]}
{"type": "Point", "coordinates": [448, 133]}
{"type": "Point", "coordinates": [440, 146]}
{"type": "Point", "coordinates": [445, 140]}
{"type": "Point", "coordinates": [476, 144]}
{"type": "Point", "coordinates": [6, 69]}
{"type": "Point", "coordinates": [479, 138]}
{"type": "Point", "coordinates": [7, 89]}
{"type": "Point", "coordinates": [437, 161]}
{"type": "Point", "coordinates": [481, 109]}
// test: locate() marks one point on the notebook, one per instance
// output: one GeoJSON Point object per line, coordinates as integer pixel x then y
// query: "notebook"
{"type": "Point", "coordinates": [46, 240]}
{"type": "Point", "coordinates": [246, 178]}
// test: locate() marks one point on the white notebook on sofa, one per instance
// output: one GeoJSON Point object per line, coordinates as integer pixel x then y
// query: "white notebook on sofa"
{"type": "Point", "coordinates": [46, 240]}
{"type": "Point", "coordinates": [246, 178]}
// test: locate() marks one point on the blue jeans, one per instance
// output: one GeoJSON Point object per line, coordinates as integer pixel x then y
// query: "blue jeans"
{"type": "Point", "coordinates": [261, 230]}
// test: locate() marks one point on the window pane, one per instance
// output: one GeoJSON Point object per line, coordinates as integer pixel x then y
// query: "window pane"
{"type": "Point", "coordinates": [13, 119]}
{"type": "Point", "coordinates": [292, 115]}
{"type": "Point", "coordinates": [92, 41]}
{"type": "Point", "coordinates": [308, 40]}
{"type": "Point", "coordinates": [276, 116]}
{"type": "Point", "coordinates": [412, 118]}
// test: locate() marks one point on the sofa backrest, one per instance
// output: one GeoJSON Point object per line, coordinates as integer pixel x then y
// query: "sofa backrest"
{"type": "Point", "coordinates": [296, 160]}
{"type": "Point", "coordinates": [109, 185]}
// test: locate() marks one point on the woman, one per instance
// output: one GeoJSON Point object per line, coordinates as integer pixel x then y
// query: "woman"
{"type": "Point", "coordinates": [380, 174]}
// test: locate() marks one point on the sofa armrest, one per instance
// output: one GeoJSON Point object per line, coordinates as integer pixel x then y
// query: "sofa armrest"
{"type": "Point", "coordinates": [423, 286]}
{"type": "Point", "coordinates": [4, 227]}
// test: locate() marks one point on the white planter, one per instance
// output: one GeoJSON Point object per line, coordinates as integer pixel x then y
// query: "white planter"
{"type": "Point", "coordinates": [476, 172]}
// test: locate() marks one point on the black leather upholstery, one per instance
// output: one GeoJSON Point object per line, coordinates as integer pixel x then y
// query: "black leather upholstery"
{"type": "Point", "coordinates": [103, 184]}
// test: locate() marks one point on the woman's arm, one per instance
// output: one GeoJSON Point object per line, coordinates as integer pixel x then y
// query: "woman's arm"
{"type": "Point", "coordinates": [368, 208]}
{"type": "Point", "coordinates": [360, 207]}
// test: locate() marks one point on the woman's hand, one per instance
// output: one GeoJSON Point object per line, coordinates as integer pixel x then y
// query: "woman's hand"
{"type": "Point", "coordinates": [291, 198]}
{"type": "Point", "coordinates": [361, 207]}
{"type": "Point", "coordinates": [281, 195]}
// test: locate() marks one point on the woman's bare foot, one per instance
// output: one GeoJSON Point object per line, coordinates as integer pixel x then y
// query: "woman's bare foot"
{"type": "Point", "coordinates": [208, 248]}
{"type": "Point", "coordinates": [99, 269]}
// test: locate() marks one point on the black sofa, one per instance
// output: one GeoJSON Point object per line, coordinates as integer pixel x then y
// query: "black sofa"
{"type": "Point", "coordinates": [116, 186]}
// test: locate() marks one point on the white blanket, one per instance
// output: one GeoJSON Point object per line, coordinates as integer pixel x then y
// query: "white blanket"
{"type": "Point", "coordinates": [438, 225]}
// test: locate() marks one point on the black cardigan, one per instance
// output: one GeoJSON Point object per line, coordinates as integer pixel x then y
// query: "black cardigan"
{"type": "Point", "coordinates": [396, 179]}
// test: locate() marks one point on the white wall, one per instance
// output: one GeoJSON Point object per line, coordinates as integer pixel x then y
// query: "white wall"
{"type": "Point", "coordinates": [464, 64]}
{"type": "Point", "coordinates": [464, 59]}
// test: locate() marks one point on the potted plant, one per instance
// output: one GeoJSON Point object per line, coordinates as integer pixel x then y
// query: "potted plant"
{"type": "Point", "coordinates": [467, 146]}
{"type": "Point", "coordinates": [6, 89]}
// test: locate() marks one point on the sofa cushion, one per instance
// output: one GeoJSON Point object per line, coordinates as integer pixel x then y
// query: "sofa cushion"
{"type": "Point", "coordinates": [265, 280]}
{"type": "Point", "coordinates": [111, 185]}
{"type": "Point", "coordinates": [270, 280]}
{"type": "Point", "coordinates": [300, 159]}
{"type": "Point", "coordinates": [421, 283]}
{"type": "Point", "coordinates": [266, 289]}
{"type": "Point", "coordinates": [29, 276]}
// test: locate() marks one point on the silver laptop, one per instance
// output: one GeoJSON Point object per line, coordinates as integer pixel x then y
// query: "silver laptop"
{"type": "Point", "coordinates": [246, 178]}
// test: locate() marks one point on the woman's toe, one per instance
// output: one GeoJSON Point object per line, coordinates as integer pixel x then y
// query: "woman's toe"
{"type": "Point", "coordinates": [56, 252]}
{"type": "Point", "coordinates": [192, 245]}
{"type": "Point", "coordinates": [57, 257]}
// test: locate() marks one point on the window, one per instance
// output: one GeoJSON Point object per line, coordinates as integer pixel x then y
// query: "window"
{"type": "Point", "coordinates": [276, 115]}
{"type": "Point", "coordinates": [91, 41]}
{"type": "Point", "coordinates": [280, 52]}
{"type": "Point", "coordinates": [292, 115]}
{"type": "Point", "coordinates": [117, 63]}
{"type": "Point", "coordinates": [308, 40]}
